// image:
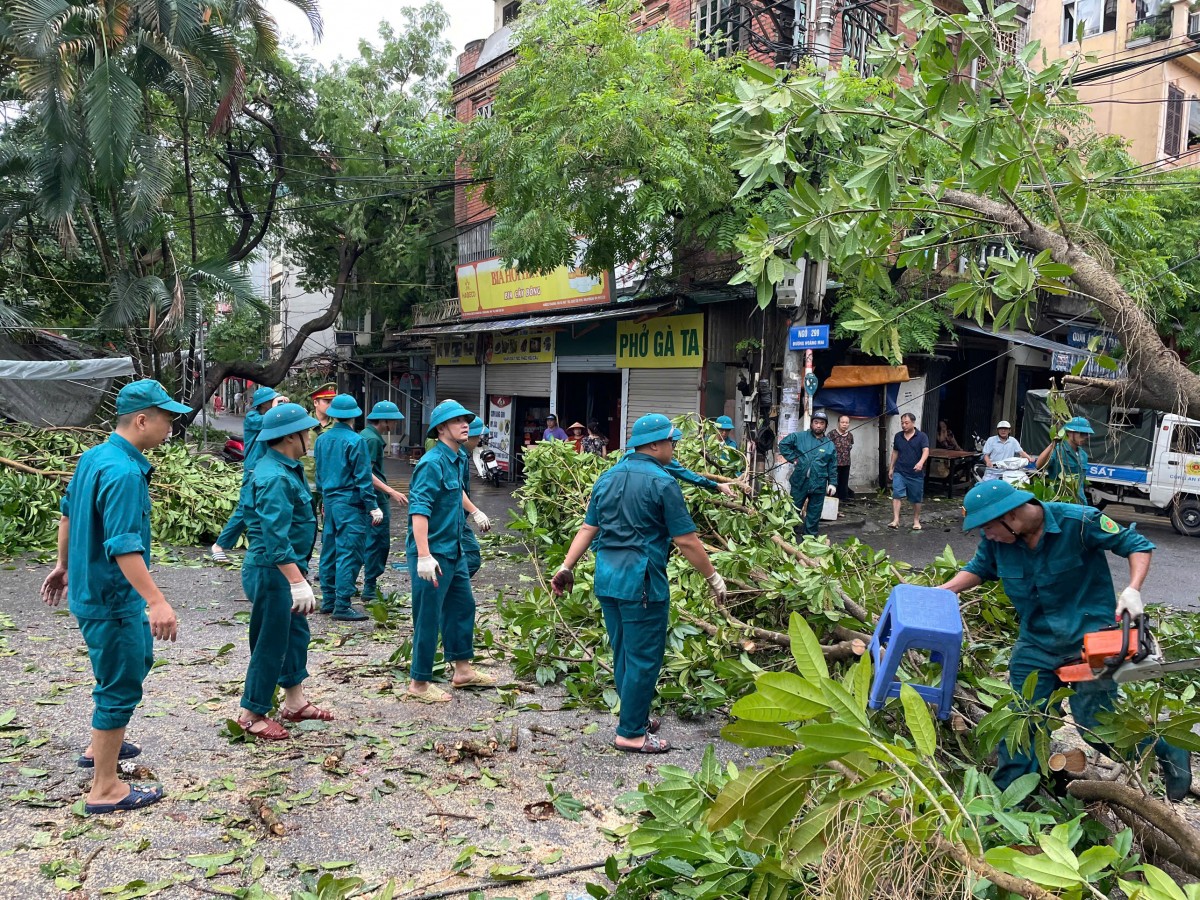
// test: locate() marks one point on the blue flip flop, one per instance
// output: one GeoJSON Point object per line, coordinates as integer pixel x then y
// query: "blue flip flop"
{"type": "Point", "coordinates": [128, 751]}
{"type": "Point", "coordinates": [138, 798]}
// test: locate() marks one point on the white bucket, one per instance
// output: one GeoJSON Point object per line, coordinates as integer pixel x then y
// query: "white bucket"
{"type": "Point", "coordinates": [829, 511]}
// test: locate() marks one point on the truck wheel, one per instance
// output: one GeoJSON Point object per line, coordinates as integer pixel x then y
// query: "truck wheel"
{"type": "Point", "coordinates": [1185, 516]}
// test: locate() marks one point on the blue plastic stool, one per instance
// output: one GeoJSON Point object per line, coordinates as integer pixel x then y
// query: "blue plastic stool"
{"type": "Point", "coordinates": [917, 618]}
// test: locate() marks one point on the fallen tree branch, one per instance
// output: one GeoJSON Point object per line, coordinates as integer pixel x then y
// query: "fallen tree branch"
{"type": "Point", "coordinates": [853, 607]}
{"type": "Point", "coordinates": [267, 816]}
{"type": "Point", "coordinates": [1154, 842]}
{"type": "Point", "coordinates": [977, 866]}
{"type": "Point", "coordinates": [30, 470]}
{"type": "Point", "coordinates": [1155, 812]}
{"type": "Point", "coordinates": [842, 650]}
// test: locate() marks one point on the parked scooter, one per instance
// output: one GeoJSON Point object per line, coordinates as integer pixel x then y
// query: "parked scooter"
{"type": "Point", "coordinates": [486, 465]}
{"type": "Point", "coordinates": [234, 451]}
{"type": "Point", "coordinates": [1016, 471]}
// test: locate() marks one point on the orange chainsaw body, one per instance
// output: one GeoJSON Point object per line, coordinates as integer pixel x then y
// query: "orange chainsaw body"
{"type": "Point", "coordinates": [1098, 646]}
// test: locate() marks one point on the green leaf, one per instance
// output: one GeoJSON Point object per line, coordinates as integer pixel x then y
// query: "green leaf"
{"type": "Point", "coordinates": [806, 649]}
{"type": "Point", "coordinates": [918, 719]}
{"type": "Point", "coordinates": [781, 697]}
{"type": "Point", "coordinates": [112, 102]}
{"type": "Point", "coordinates": [834, 740]}
{"type": "Point", "coordinates": [509, 873]}
{"type": "Point", "coordinates": [748, 733]}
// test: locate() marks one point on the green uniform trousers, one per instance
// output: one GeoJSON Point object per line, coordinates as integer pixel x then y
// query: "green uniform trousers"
{"type": "Point", "coordinates": [448, 608]}
{"type": "Point", "coordinates": [816, 502]}
{"type": "Point", "coordinates": [122, 653]}
{"type": "Point", "coordinates": [343, 547]}
{"type": "Point", "coordinates": [470, 549]}
{"type": "Point", "coordinates": [278, 638]}
{"type": "Point", "coordinates": [1091, 697]}
{"type": "Point", "coordinates": [379, 544]}
{"type": "Point", "coordinates": [637, 632]}
{"type": "Point", "coordinates": [236, 526]}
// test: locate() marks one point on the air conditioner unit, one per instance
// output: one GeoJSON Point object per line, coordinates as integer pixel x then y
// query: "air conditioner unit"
{"type": "Point", "coordinates": [790, 291]}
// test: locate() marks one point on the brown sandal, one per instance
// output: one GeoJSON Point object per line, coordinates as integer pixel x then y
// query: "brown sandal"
{"type": "Point", "coordinates": [304, 713]}
{"type": "Point", "coordinates": [652, 744]}
{"type": "Point", "coordinates": [272, 730]}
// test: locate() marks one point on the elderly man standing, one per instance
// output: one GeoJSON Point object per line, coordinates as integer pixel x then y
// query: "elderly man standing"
{"type": "Point", "coordinates": [103, 560]}
{"type": "Point", "coordinates": [999, 447]}
{"type": "Point", "coordinates": [1050, 557]}
{"type": "Point", "coordinates": [814, 460]}
{"type": "Point", "coordinates": [635, 513]}
{"type": "Point", "coordinates": [347, 487]}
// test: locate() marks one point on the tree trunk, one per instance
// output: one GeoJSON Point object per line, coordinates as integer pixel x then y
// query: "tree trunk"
{"type": "Point", "coordinates": [1157, 377]}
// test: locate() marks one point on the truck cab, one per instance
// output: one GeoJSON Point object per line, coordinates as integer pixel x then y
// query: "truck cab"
{"type": "Point", "coordinates": [1175, 472]}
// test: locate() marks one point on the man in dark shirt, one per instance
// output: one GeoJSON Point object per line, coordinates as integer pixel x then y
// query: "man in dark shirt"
{"type": "Point", "coordinates": [910, 452]}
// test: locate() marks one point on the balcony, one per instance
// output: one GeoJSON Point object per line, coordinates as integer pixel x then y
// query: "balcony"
{"type": "Point", "coordinates": [1149, 29]}
{"type": "Point", "coordinates": [1194, 26]}
{"type": "Point", "coordinates": [436, 312]}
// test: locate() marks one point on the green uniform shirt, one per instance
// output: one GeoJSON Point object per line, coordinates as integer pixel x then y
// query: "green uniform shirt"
{"type": "Point", "coordinates": [375, 443]}
{"type": "Point", "coordinates": [436, 492]}
{"type": "Point", "coordinates": [638, 508]}
{"type": "Point", "coordinates": [464, 464]}
{"type": "Point", "coordinates": [1065, 460]}
{"type": "Point", "coordinates": [108, 505]}
{"type": "Point", "coordinates": [1062, 589]}
{"type": "Point", "coordinates": [280, 523]}
{"type": "Point", "coordinates": [679, 472]}
{"type": "Point", "coordinates": [815, 460]}
{"type": "Point", "coordinates": [251, 447]}
{"type": "Point", "coordinates": [344, 466]}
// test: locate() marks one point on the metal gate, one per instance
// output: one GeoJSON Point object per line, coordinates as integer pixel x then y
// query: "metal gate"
{"type": "Point", "coordinates": [459, 383]}
{"type": "Point", "coordinates": [672, 392]}
{"type": "Point", "coordinates": [523, 379]}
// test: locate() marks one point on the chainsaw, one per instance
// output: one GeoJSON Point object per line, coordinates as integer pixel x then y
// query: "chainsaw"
{"type": "Point", "coordinates": [1122, 653]}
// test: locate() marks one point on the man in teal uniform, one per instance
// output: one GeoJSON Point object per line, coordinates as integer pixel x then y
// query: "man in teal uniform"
{"type": "Point", "coordinates": [725, 424]}
{"type": "Point", "coordinates": [475, 433]}
{"type": "Point", "coordinates": [379, 541]}
{"type": "Point", "coordinates": [264, 398]}
{"type": "Point", "coordinates": [814, 458]}
{"type": "Point", "coordinates": [1066, 455]}
{"type": "Point", "coordinates": [348, 493]}
{"type": "Point", "coordinates": [104, 555]}
{"type": "Point", "coordinates": [635, 513]}
{"type": "Point", "coordinates": [680, 472]}
{"type": "Point", "coordinates": [282, 528]}
{"type": "Point", "coordinates": [442, 600]}
{"type": "Point", "coordinates": [1050, 559]}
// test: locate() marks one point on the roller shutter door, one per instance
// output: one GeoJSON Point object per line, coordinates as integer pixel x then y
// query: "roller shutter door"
{"type": "Point", "coordinates": [603, 363]}
{"type": "Point", "coordinates": [672, 392]}
{"type": "Point", "coordinates": [525, 380]}
{"type": "Point", "coordinates": [459, 383]}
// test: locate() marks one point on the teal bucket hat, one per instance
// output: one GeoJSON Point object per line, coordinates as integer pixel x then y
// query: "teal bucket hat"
{"type": "Point", "coordinates": [725, 422]}
{"type": "Point", "coordinates": [443, 413]}
{"type": "Point", "coordinates": [285, 419]}
{"type": "Point", "coordinates": [263, 395]}
{"type": "Point", "coordinates": [478, 429]}
{"type": "Point", "coordinates": [343, 407]}
{"type": "Point", "coordinates": [139, 395]}
{"type": "Point", "coordinates": [650, 429]}
{"type": "Point", "coordinates": [1079, 424]}
{"type": "Point", "coordinates": [990, 500]}
{"type": "Point", "coordinates": [386, 409]}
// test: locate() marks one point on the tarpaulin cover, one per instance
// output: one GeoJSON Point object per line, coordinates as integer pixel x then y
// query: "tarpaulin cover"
{"type": "Point", "coordinates": [1129, 445]}
{"type": "Point", "coordinates": [71, 399]}
{"type": "Point", "coordinates": [66, 369]}
{"type": "Point", "coordinates": [856, 402]}
{"type": "Point", "coordinates": [865, 376]}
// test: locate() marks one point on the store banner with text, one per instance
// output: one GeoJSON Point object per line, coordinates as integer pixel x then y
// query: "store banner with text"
{"type": "Point", "coordinates": [669, 342]}
{"type": "Point", "coordinates": [529, 345]}
{"type": "Point", "coordinates": [485, 288]}
{"type": "Point", "coordinates": [501, 423]}
{"type": "Point", "coordinates": [456, 350]}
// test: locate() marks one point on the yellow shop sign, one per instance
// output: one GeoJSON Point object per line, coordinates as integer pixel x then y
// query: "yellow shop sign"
{"type": "Point", "coordinates": [669, 342]}
{"type": "Point", "coordinates": [529, 345]}
{"type": "Point", "coordinates": [456, 350]}
{"type": "Point", "coordinates": [485, 288]}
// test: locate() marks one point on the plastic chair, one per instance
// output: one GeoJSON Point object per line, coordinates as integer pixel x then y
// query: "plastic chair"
{"type": "Point", "coordinates": [917, 618]}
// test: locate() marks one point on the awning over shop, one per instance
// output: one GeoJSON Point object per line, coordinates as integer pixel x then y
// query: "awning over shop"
{"type": "Point", "coordinates": [1025, 338]}
{"type": "Point", "coordinates": [865, 376]}
{"type": "Point", "coordinates": [536, 321]}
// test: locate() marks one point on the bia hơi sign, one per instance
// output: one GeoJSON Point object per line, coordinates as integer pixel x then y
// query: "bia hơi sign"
{"type": "Point", "coordinates": [669, 342]}
{"type": "Point", "coordinates": [485, 289]}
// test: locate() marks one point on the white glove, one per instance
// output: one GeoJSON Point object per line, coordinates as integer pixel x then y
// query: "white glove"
{"type": "Point", "coordinates": [480, 518]}
{"type": "Point", "coordinates": [376, 516]}
{"type": "Point", "coordinates": [428, 569]}
{"type": "Point", "coordinates": [716, 584]}
{"type": "Point", "coordinates": [303, 601]}
{"type": "Point", "coordinates": [830, 491]}
{"type": "Point", "coordinates": [1130, 602]}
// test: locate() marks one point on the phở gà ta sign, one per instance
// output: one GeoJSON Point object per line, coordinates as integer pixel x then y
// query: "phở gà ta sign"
{"type": "Point", "coordinates": [668, 342]}
{"type": "Point", "coordinates": [486, 289]}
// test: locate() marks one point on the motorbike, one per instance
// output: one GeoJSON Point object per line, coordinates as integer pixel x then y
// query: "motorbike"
{"type": "Point", "coordinates": [234, 450]}
{"type": "Point", "coordinates": [1015, 470]}
{"type": "Point", "coordinates": [486, 464]}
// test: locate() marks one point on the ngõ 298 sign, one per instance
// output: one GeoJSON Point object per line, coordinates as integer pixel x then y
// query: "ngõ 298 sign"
{"type": "Point", "coordinates": [669, 342]}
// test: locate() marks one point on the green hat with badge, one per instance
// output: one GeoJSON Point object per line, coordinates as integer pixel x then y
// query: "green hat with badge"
{"type": "Point", "coordinates": [343, 407]}
{"type": "Point", "coordinates": [444, 412]}
{"type": "Point", "coordinates": [726, 423]}
{"type": "Point", "coordinates": [285, 419]}
{"type": "Point", "coordinates": [263, 395]}
{"type": "Point", "coordinates": [139, 395]}
{"type": "Point", "coordinates": [989, 500]}
{"type": "Point", "coordinates": [1079, 424]}
{"type": "Point", "coordinates": [478, 429]}
{"type": "Point", "coordinates": [650, 429]}
{"type": "Point", "coordinates": [386, 409]}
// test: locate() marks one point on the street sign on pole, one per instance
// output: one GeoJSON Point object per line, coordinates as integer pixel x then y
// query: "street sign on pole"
{"type": "Point", "coordinates": [811, 383]}
{"type": "Point", "coordinates": [808, 337]}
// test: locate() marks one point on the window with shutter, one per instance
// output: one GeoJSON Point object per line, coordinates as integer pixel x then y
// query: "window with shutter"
{"type": "Point", "coordinates": [1173, 132]}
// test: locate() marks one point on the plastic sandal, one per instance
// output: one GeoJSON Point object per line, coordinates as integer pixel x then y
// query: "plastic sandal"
{"type": "Point", "coordinates": [432, 694]}
{"type": "Point", "coordinates": [477, 680]}
{"type": "Point", "coordinates": [653, 724]}
{"type": "Point", "coordinates": [128, 751]}
{"type": "Point", "coordinates": [652, 744]}
{"type": "Point", "coordinates": [218, 555]}
{"type": "Point", "coordinates": [304, 713]}
{"type": "Point", "coordinates": [272, 731]}
{"type": "Point", "coordinates": [138, 798]}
